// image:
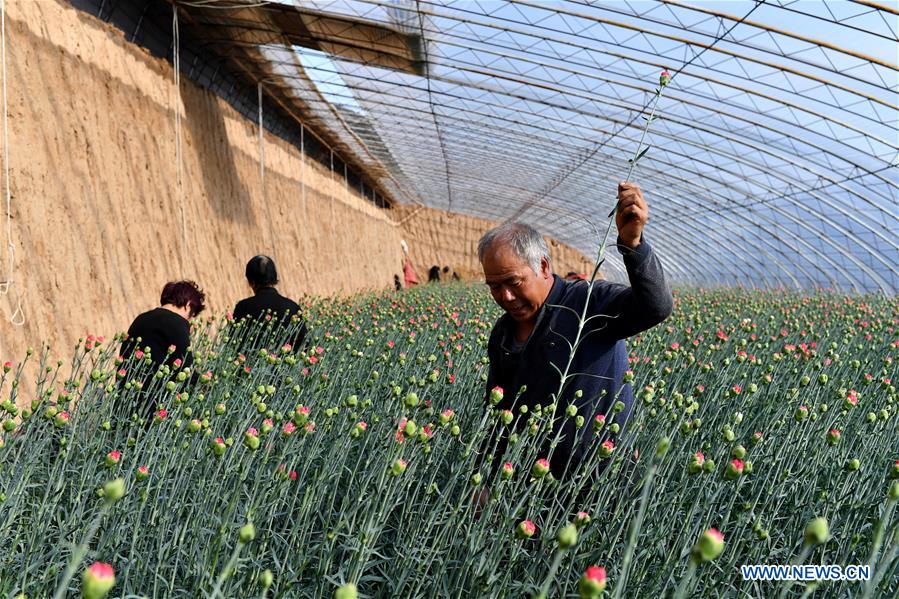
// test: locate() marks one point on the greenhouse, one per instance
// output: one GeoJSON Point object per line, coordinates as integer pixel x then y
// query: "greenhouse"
{"type": "Point", "coordinates": [449, 298]}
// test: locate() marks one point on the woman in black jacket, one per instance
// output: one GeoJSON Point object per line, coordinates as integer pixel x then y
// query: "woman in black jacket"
{"type": "Point", "coordinates": [267, 304]}
{"type": "Point", "coordinates": [162, 336]}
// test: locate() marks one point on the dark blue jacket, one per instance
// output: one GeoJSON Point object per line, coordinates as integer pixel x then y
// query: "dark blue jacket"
{"type": "Point", "coordinates": [600, 361]}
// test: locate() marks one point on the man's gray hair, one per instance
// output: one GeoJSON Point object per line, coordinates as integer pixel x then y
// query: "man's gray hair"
{"type": "Point", "coordinates": [523, 239]}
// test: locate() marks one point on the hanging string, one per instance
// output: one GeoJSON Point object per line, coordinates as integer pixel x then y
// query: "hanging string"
{"type": "Point", "coordinates": [335, 280]}
{"type": "Point", "coordinates": [265, 206]}
{"type": "Point", "coordinates": [179, 161]}
{"type": "Point", "coordinates": [18, 315]}
{"type": "Point", "coordinates": [303, 182]}
{"type": "Point", "coordinates": [261, 143]}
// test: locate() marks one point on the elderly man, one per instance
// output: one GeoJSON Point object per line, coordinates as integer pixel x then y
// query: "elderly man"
{"type": "Point", "coordinates": [542, 309]}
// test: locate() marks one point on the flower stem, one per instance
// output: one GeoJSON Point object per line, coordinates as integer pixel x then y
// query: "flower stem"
{"type": "Point", "coordinates": [878, 533]}
{"type": "Point", "coordinates": [872, 583]}
{"type": "Point", "coordinates": [635, 533]}
{"type": "Point", "coordinates": [550, 576]}
{"type": "Point", "coordinates": [80, 552]}
{"type": "Point", "coordinates": [226, 571]}
{"type": "Point", "coordinates": [806, 551]}
{"type": "Point", "coordinates": [685, 581]}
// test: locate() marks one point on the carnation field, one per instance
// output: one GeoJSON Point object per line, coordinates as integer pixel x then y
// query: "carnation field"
{"type": "Point", "coordinates": [355, 460]}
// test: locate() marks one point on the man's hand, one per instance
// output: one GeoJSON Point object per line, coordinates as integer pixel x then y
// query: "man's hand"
{"type": "Point", "coordinates": [632, 215]}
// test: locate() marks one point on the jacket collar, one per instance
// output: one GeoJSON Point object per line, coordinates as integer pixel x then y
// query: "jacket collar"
{"type": "Point", "coordinates": [555, 293]}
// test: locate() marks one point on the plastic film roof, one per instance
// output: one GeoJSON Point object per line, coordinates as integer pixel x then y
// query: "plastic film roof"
{"type": "Point", "coordinates": [772, 161]}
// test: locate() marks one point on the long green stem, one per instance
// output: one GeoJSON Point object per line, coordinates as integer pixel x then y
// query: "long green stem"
{"type": "Point", "coordinates": [80, 552]}
{"type": "Point", "coordinates": [785, 587]}
{"type": "Point", "coordinates": [882, 524]}
{"type": "Point", "coordinates": [876, 575]}
{"type": "Point", "coordinates": [635, 533]}
{"type": "Point", "coordinates": [684, 585]}
{"type": "Point", "coordinates": [226, 571]}
{"type": "Point", "coordinates": [551, 575]}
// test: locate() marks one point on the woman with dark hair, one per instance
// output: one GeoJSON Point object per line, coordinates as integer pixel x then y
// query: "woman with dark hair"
{"type": "Point", "coordinates": [266, 303]}
{"type": "Point", "coordinates": [434, 274]}
{"type": "Point", "coordinates": [163, 334]}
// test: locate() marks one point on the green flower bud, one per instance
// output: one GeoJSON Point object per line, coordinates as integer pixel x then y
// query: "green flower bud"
{"type": "Point", "coordinates": [662, 447]}
{"type": "Point", "coordinates": [817, 532]}
{"type": "Point", "coordinates": [398, 467]}
{"type": "Point", "coordinates": [246, 533]}
{"type": "Point", "coordinates": [709, 546]}
{"type": "Point", "coordinates": [567, 537]}
{"type": "Point", "coordinates": [266, 578]}
{"type": "Point", "coordinates": [97, 581]}
{"type": "Point", "coordinates": [114, 490]}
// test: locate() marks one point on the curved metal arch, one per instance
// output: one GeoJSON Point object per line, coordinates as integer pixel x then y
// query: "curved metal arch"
{"type": "Point", "coordinates": [688, 187]}
{"type": "Point", "coordinates": [561, 10]}
{"type": "Point", "coordinates": [677, 266]}
{"type": "Point", "coordinates": [759, 248]}
{"type": "Point", "coordinates": [500, 214]}
{"type": "Point", "coordinates": [772, 29]}
{"type": "Point", "coordinates": [799, 222]}
{"type": "Point", "coordinates": [874, 173]}
{"type": "Point", "coordinates": [642, 87]}
{"type": "Point", "coordinates": [811, 191]}
{"type": "Point", "coordinates": [684, 266]}
{"type": "Point", "coordinates": [880, 7]}
{"type": "Point", "coordinates": [681, 249]}
{"type": "Point", "coordinates": [864, 59]}
{"type": "Point", "coordinates": [703, 107]}
{"type": "Point", "coordinates": [745, 243]}
{"type": "Point", "coordinates": [767, 163]}
{"type": "Point", "coordinates": [743, 141]}
{"type": "Point", "coordinates": [819, 175]}
{"type": "Point", "coordinates": [802, 224]}
{"type": "Point", "coordinates": [572, 44]}
{"type": "Point", "coordinates": [760, 215]}
{"type": "Point", "coordinates": [584, 47]}
{"type": "Point", "coordinates": [669, 118]}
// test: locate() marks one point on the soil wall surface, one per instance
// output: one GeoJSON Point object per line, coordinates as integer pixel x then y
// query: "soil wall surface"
{"type": "Point", "coordinates": [99, 222]}
{"type": "Point", "coordinates": [96, 206]}
{"type": "Point", "coordinates": [437, 237]}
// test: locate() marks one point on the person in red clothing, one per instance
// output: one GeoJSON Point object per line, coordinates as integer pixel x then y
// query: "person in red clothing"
{"type": "Point", "coordinates": [409, 276]}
